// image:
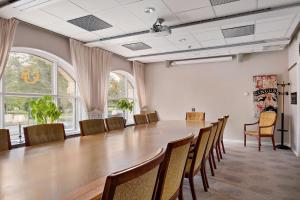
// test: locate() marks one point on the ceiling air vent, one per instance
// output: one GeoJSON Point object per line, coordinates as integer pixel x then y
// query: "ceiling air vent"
{"type": "Point", "coordinates": [220, 2]}
{"type": "Point", "coordinates": [238, 31]}
{"type": "Point", "coordinates": [137, 46]}
{"type": "Point", "coordinates": [90, 23]}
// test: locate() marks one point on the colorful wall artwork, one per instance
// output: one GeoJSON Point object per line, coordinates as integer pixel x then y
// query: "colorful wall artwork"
{"type": "Point", "coordinates": [265, 93]}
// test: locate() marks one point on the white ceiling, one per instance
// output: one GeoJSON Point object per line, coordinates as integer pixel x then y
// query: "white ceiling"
{"type": "Point", "coordinates": [127, 16]}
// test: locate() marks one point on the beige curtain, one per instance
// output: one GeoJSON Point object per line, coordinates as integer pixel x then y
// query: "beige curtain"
{"type": "Point", "coordinates": [139, 74]}
{"type": "Point", "coordinates": [92, 66]}
{"type": "Point", "coordinates": [7, 33]}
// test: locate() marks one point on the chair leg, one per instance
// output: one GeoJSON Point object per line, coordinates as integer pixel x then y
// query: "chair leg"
{"type": "Point", "coordinates": [219, 149]}
{"type": "Point", "coordinates": [222, 142]}
{"type": "Point", "coordinates": [213, 159]}
{"type": "Point", "coordinates": [273, 142]}
{"type": "Point", "coordinates": [205, 174]}
{"type": "Point", "coordinates": [245, 140]}
{"type": "Point", "coordinates": [259, 143]}
{"type": "Point", "coordinates": [203, 179]}
{"type": "Point", "coordinates": [191, 180]}
{"type": "Point", "coordinates": [217, 152]}
{"type": "Point", "coordinates": [180, 196]}
{"type": "Point", "coordinates": [211, 165]}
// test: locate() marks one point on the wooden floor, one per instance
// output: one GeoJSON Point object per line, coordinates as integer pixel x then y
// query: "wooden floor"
{"type": "Point", "coordinates": [246, 174]}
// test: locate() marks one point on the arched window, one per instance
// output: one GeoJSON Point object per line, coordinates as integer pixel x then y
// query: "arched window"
{"type": "Point", "coordinates": [30, 74]}
{"type": "Point", "coordinates": [121, 85]}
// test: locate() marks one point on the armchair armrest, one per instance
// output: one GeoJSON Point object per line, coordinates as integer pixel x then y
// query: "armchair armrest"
{"type": "Point", "coordinates": [245, 125]}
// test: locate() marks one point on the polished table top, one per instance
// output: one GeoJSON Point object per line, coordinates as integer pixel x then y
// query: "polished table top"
{"type": "Point", "coordinates": [77, 168]}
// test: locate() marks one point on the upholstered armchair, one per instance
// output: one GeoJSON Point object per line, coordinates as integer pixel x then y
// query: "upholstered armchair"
{"type": "Point", "coordinates": [266, 128]}
{"type": "Point", "coordinates": [92, 126]}
{"type": "Point", "coordinates": [140, 119]}
{"type": "Point", "coordinates": [44, 133]}
{"type": "Point", "coordinates": [195, 116]}
{"type": "Point", "coordinates": [4, 140]}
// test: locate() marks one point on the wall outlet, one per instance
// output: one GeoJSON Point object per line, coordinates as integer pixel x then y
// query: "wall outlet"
{"type": "Point", "coordinates": [193, 109]}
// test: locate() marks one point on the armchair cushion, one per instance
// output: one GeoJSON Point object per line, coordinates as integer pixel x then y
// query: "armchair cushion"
{"type": "Point", "coordinates": [252, 133]}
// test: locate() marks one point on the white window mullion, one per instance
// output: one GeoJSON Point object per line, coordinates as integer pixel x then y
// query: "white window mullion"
{"type": "Point", "coordinates": [54, 79]}
{"type": "Point", "coordinates": [2, 109]}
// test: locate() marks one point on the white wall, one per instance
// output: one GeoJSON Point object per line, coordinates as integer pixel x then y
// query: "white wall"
{"type": "Point", "coordinates": [34, 37]}
{"type": "Point", "coordinates": [215, 88]}
{"type": "Point", "coordinates": [294, 77]}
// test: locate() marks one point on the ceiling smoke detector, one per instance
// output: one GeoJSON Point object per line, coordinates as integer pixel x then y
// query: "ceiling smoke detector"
{"type": "Point", "coordinates": [160, 30]}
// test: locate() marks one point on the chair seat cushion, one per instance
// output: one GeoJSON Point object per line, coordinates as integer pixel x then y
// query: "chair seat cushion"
{"type": "Point", "coordinates": [253, 133]}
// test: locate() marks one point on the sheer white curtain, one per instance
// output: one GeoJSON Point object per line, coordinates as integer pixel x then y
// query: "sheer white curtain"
{"type": "Point", "coordinates": [7, 34]}
{"type": "Point", "coordinates": [92, 66]}
{"type": "Point", "coordinates": [139, 75]}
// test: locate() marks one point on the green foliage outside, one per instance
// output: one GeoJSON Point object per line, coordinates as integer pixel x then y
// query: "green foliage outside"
{"type": "Point", "coordinates": [31, 74]}
{"type": "Point", "coordinates": [44, 110]}
{"type": "Point", "coordinates": [125, 105]}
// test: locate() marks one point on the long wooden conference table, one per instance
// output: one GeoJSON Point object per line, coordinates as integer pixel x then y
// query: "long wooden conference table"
{"type": "Point", "coordinates": [77, 168]}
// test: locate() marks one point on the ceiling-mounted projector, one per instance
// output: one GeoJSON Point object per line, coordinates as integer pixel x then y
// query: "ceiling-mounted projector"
{"type": "Point", "coordinates": [159, 30]}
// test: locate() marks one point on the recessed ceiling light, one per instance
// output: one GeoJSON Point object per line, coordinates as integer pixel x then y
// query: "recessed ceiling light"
{"type": "Point", "coordinates": [137, 46]}
{"type": "Point", "coordinates": [149, 10]}
{"type": "Point", "coordinates": [182, 40]}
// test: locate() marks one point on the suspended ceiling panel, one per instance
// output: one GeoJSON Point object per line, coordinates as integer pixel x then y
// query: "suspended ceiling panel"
{"type": "Point", "coordinates": [128, 16]}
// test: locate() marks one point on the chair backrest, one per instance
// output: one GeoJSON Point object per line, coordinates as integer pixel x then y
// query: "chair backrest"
{"type": "Point", "coordinates": [195, 116]}
{"type": "Point", "coordinates": [199, 149]}
{"type": "Point", "coordinates": [219, 130]}
{"type": "Point", "coordinates": [114, 123]}
{"type": "Point", "coordinates": [211, 138]}
{"type": "Point", "coordinates": [267, 119]}
{"type": "Point", "coordinates": [4, 140]}
{"type": "Point", "coordinates": [172, 168]}
{"type": "Point", "coordinates": [140, 119]}
{"type": "Point", "coordinates": [152, 117]}
{"type": "Point", "coordinates": [44, 133]}
{"type": "Point", "coordinates": [92, 126]}
{"type": "Point", "coordinates": [137, 182]}
{"type": "Point", "coordinates": [224, 125]}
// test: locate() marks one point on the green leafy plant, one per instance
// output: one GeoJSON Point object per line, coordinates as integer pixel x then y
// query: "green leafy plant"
{"type": "Point", "coordinates": [125, 104]}
{"type": "Point", "coordinates": [44, 110]}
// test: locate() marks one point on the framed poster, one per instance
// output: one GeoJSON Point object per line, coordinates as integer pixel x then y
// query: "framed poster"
{"type": "Point", "coordinates": [265, 95]}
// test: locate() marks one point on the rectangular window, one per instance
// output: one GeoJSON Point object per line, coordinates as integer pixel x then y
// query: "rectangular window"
{"type": "Point", "coordinates": [67, 106]}
{"type": "Point", "coordinates": [65, 84]}
{"type": "Point", "coordinates": [17, 115]}
{"type": "Point", "coordinates": [25, 73]}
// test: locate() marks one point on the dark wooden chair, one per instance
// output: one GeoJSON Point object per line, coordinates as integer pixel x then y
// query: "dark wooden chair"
{"type": "Point", "coordinates": [195, 160]}
{"type": "Point", "coordinates": [216, 144]}
{"type": "Point", "coordinates": [195, 116]}
{"type": "Point", "coordinates": [114, 123]}
{"type": "Point", "coordinates": [5, 143]}
{"type": "Point", "coordinates": [209, 148]}
{"type": "Point", "coordinates": [172, 169]}
{"type": "Point", "coordinates": [44, 133]}
{"type": "Point", "coordinates": [140, 119]}
{"type": "Point", "coordinates": [222, 133]}
{"type": "Point", "coordinates": [138, 182]}
{"type": "Point", "coordinates": [152, 117]}
{"type": "Point", "coordinates": [92, 126]}
{"type": "Point", "coordinates": [266, 128]}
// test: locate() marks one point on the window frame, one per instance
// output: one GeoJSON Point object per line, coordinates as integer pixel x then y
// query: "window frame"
{"type": "Point", "coordinates": [56, 64]}
{"type": "Point", "coordinates": [128, 79]}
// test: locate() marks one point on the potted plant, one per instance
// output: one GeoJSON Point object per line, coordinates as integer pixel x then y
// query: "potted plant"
{"type": "Point", "coordinates": [43, 110]}
{"type": "Point", "coordinates": [125, 105]}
